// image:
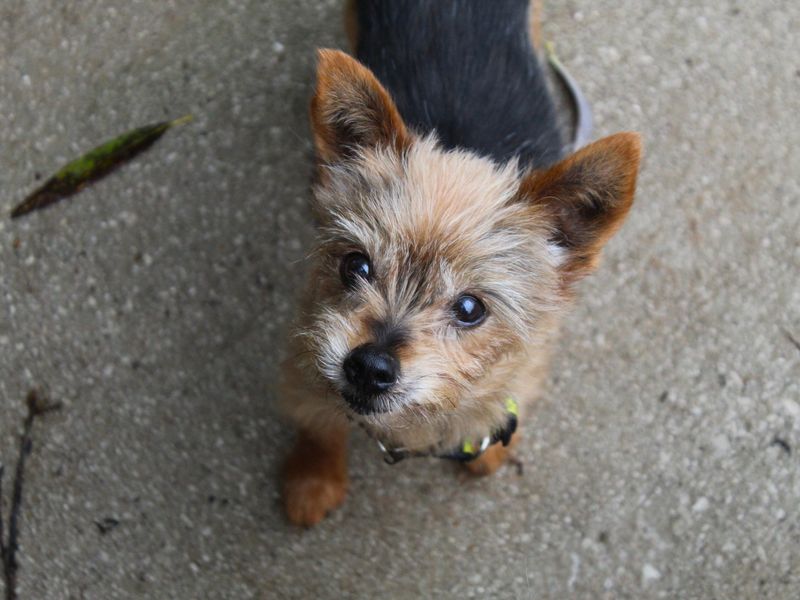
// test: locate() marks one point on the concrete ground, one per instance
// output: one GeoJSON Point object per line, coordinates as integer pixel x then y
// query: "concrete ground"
{"type": "Point", "coordinates": [663, 462]}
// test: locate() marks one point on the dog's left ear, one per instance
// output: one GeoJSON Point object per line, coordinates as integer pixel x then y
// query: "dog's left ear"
{"type": "Point", "coordinates": [351, 109]}
{"type": "Point", "coordinates": [584, 199]}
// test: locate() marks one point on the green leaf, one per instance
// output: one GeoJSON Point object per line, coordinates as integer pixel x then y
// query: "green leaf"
{"type": "Point", "coordinates": [94, 165]}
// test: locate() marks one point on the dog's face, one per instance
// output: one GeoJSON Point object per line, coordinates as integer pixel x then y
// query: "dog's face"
{"type": "Point", "coordinates": [433, 267]}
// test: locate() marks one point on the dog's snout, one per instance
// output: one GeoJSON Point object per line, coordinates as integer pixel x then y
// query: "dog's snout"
{"type": "Point", "coordinates": [371, 369]}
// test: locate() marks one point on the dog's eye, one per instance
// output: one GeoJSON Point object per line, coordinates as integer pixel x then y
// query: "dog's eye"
{"type": "Point", "coordinates": [468, 311]}
{"type": "Point", "coordinates": [354, 266]}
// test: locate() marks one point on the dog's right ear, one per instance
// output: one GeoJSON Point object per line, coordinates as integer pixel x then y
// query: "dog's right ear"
{"type": "Point", "coordinates": [585, 198]}
{"type": "Point", "coordinates": [351, 109]}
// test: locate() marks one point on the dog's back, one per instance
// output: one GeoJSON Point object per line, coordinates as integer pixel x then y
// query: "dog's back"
{"type": "Point", "coordinates": [465, 69]}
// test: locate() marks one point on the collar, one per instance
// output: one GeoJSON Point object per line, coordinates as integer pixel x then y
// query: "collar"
{"type": "Point", "coordinates": [469, 449]}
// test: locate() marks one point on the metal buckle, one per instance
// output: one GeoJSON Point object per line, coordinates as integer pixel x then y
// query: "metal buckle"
{"type": "Point", "coordinates": [393, 456]}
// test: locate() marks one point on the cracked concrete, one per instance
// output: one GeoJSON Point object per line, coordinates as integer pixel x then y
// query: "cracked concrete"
{"type": "Point", "coordinates": [663, 461]}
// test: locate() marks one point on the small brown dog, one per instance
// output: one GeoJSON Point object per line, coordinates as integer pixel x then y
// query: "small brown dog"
{"type": "Point", "coordinates": [452, 230]}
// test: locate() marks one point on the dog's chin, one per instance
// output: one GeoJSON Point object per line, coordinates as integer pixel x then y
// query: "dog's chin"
{"type": "Point", "coordinates": [365, 407]}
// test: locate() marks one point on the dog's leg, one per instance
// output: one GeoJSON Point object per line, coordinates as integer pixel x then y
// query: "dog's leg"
{"type": "Point", "coordinates": [351, 24]}
{"type": "Point", "coordinates": [492, 459]}
{"type": "Point", "coordinates": [535, 24]}
{"type": "Point", "coordinates": [315, 475]}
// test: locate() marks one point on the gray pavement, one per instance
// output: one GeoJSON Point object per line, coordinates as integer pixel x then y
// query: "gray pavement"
{"type": "Point", "coordinates": [663, 462]}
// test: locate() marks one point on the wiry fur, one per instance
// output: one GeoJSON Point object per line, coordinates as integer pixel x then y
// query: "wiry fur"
{"type": "Point", "coordinates": [434, 234]}
{"type": "Point", "coordinates": [437, 222]}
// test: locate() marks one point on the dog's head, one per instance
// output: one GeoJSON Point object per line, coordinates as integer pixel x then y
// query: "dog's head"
{"type": "Point", "coordinates": [433, 266]}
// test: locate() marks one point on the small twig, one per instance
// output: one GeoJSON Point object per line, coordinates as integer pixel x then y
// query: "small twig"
{"type": "Point", "coordinates": [792, 339]}
{"type": "Point", "coordinates": [782, 444]}
{"type": "Point", "coordinates": [37, 406]}
{"type": "Point", "coordinates": [106, 525]}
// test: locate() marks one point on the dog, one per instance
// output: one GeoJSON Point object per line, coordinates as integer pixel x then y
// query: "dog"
{"type": "Point", "coordinates": [453, 227]}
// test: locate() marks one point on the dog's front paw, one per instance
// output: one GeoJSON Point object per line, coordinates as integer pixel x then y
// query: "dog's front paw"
{"type": "Point", "coordinates": [488, 462]}
{"type": "Point", "coordinates": [308, 498]}
{"type": "Point", "coordinates": [314, 478]}
{"type": "Point", "coordinates": [492, 459]}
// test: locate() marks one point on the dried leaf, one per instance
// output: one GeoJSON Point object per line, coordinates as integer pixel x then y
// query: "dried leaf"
{"type": "Point", "coordinates": [94, 165]}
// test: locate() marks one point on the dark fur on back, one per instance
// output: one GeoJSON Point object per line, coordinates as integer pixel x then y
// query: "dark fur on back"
{"type": "Point", "coordinates": [466, 69]}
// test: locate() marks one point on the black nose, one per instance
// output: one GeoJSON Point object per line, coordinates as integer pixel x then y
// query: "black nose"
{"type": "Point", "coordinates": [371, 370]}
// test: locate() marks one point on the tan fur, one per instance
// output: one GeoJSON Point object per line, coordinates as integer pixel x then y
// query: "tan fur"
{"type": "Point", "coordinates": [603, 175]}
{"type": "Point", "coordinates": [343, 82]}
{"type": "Point", "coordinates": [436, 224]}
{"type": "Point", "coordinates": [535, 23]}
{"type": "Point", "coordinates": [494, 458]}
